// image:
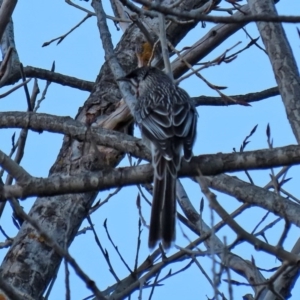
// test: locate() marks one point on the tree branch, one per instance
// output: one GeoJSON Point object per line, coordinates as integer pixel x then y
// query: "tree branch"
{"type": "Point", "coordinates": [254, 195]}
{"type": "Point", "coordinates": [6, 10]}
{"type": "Point", "coordinates": [45, 237]}
{"type": "Point", "coordinates": [75, 130]}
{"type": "Point", "coordinates": [110, 55]}
{"type": "Point", "coordinates": [248, 98]}
{"type": "Point", "coordinates": [290, 258]}
{"type": "Point", "coordinates": [231, 260]}
{"type": "Point", "coordinates": [194, 15]}
{"type": "Point", "coordinates": [58, 78]}
{"type": "Point", "coordinates": [68, 211]}
{"type": "Point", "coordinates": [282, 60]}
{"type": "Point", "coordinates": [208, 43]}
{"type": "Point", "coordinates": [102, 180]}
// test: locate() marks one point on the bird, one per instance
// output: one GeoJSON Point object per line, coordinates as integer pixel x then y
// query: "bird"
{"type": "Point", "coordinates": [167, 119]}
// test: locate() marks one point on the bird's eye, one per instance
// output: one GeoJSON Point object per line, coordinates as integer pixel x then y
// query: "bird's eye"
{"type": "Point", "coordinates": [145, 75]}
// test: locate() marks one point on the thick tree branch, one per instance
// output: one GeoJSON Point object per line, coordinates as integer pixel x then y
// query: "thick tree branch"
{"type": "Point", "coordinates": [279, 252]}
{"type": "Point", "coordinates": [13, 169]}
{"type": "Point", "coordinates": [75, 130]}
{"type": "Point", "coordinates": [58, 78]}
{"type": "Point", "coordinates": [282, 61]}
{"type": "Point", "coordinates": [248, 98]}
{"type": "Point", "coordinates": [215, 245]}
{"type": "Point", "coordinates": [63, 215]}
{"type": "Point", "coordinates": [102, 136]}
{"type": "Point", "coordinates": [285, 282]}
{"type": "Point", "coordinates": [102, 180]}
{"type": "Point", "coordinates": [194, 15]}
{"type": "Point", "coordinates": [207, 43]}
{"type": "Point", "coordinates": [10, 61]}
{"type": "Point", "coordinates": [254, 195]}
{"type": "Point", "coordinates": [110, 55]}
{"type": "Point", "coordinates": [44, 235]}
{"type": "Point", "coordinates": [6, 10]}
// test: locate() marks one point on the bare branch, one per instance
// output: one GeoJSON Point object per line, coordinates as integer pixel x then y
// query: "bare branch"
{"type": "Point", "coordinates": [207, 43]}
{"type": "Point", "coordinates": [51, 76]}
{"type": "Point", "coordinates": [74, 129]}
{"type": "Point", "coordinates": [233, 261]}
{"type": "Point", "coordinates": [14, 88]}
{"type": "Point", "coordinates": [102, 180]}
{"type": "Point", "coordinates": [243, 234]}
{"type": "Point", "coordinates": [248, 98]}
{"type": "Point", "coordinates": [254, 195]}
{"type": "Point", "coordinates": [13, 168]}
{"type": "Point", "coordinates": [6, 10]}
{"type": "Point", "coordinates": [62, 252]}
{"type": "Point", "coordinates": [283, 62]}
{"type": "Point", "coordinates": [62, 37]}
{"type": "Point", "coordinates": [194, 15]}
{"type": "Point", "coordinates": [164, 44]}
{"type": "Point", "coordinates": [110, 55]}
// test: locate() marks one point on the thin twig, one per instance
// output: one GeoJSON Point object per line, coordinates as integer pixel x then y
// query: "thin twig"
{"type": "Point", "coordinates": [62, 37]}
{"type": "Point", "coordinates": [15, 88]}
{"type": "Point", "coordinates": [194, 14]}
{"type": "Point", "coordinates": [164, 45]}
{"type": "Point", "coordinates": [62, 252]}
{"type": "Point", "coordinates": [25, 88]}
{"type": "Point", "coordinates": [104, 252]}
{"type": "Point", "coordinates": [116, 248]}
{"type": "Point", "coordinates": [67, 281]}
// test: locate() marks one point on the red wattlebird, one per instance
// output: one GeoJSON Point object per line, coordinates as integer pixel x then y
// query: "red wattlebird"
{"type": "Point", "coordinates": [167, 119]}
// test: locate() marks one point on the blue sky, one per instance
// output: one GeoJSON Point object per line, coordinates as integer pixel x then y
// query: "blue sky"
{"type": "Point", "coordinates": [220, 129]}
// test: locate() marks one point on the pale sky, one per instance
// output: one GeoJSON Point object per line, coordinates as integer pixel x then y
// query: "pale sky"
{"type": "Point", "coordinates": [220, 129]}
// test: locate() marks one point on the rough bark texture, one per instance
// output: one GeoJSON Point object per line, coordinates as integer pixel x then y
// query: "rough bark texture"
{"type": "Point", "coordinates": [282, 61]}
{"type": "Point", "coordinates": [30, 264]}
{"type": "Point", "coordinates": [125, 176]}
{"type": "Point", "coordinates": [247, 193]}
{"type": "Point", "coordinates": [287, 77]}
{"type": "Point", "coordinates": [207, 43]}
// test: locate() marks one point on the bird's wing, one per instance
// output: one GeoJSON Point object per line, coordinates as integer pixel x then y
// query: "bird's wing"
{"type": "Point", "coordinates": [169, 124]}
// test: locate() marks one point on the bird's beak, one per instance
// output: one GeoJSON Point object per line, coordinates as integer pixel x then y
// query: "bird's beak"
{"type": "Point", "coordinates": [124, 79]}
{"type": "Point", "coordinates": [131, 81]}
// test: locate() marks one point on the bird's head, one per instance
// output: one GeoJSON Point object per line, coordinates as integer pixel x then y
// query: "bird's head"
{"type": "Point", "coordinates": [144, 79]}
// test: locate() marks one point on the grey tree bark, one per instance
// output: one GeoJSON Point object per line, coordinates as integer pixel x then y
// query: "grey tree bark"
{"type": "Point", "coordinates": [30, 265]}
{"type": "Point", "coordinates": [96, 141]}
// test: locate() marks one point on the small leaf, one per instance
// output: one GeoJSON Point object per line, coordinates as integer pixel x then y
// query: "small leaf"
{"type": "Point", "coordinates": [268, 131]}
{"type": "Point", "coordinates": [229, 60]}
{"type": "Point", "coordinates": [96, 204]}
{"type": "Point", "coordinates": [16, 223]}
{"type": "Point", "coordinates": [252, 42]}
{"type": "Point", "coordinates": [53, 66]}
{"type": "Point", "coordinates": [284, 181]}
{"type": "Point", "coordinates": [253, 130]}
{"type": "Point", "coordinates": [138, 201]}
{"type": "Point", "coordinates": [46, 44]}
{"type": "Point", "coordinates": [253, 260]}
{"type": "Point", "coordinates": [245, 143]}
{"type": "Point", "coordinates": [13, 139]}
{"type": "Point", "coordinates": [201, 205]}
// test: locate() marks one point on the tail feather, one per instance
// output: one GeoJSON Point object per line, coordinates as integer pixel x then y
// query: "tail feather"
{"type": "Point", "coordinates": [168, 220]}
{"type": "Point", "coordinates": [163, 213]}
{"type": "Point", "coordinates": [157, 206]}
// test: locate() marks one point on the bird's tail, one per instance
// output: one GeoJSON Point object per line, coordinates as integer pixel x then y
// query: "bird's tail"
{"type": "Point", "coordinates": [163, 213]}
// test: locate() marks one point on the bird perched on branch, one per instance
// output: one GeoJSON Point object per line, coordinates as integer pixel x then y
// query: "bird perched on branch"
{"type": "Point", "coordinates": [167, 119]}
